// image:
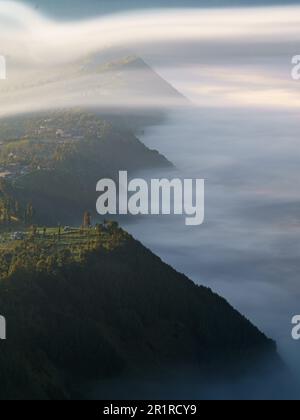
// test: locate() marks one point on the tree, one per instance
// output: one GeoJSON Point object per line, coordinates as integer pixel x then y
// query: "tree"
{"type": "Point", "coordinates": [87, 219]}
{"type": "Point", "coordinates": [112, 226]}
{"type": "Point", "coordinates": [17, 208]}
{"type": "Point", "coordinates": [29, 213]}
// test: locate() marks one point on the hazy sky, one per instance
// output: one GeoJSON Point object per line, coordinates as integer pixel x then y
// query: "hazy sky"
{"type": "Point", "coordinates": [77, 8]}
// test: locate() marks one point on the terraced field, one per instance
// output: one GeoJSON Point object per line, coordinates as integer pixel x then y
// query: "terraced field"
{"type": "Point", "coordinates": [55, 240]}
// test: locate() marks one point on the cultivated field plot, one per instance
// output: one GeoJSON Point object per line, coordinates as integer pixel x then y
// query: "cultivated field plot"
{"type": "Point", "coordinates": [56, 239]}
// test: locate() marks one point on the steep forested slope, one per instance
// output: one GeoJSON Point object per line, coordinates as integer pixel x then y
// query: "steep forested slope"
{"type": "Point", "coordinates": [97, 304]}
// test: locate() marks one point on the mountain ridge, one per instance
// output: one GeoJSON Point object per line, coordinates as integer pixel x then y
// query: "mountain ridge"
{"type": "Point", "coordinates": [95, 304]}
{"type": "Point", "coordinates": [55, 159]}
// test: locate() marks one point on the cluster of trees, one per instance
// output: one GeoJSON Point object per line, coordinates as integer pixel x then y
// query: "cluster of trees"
{"type": "Point", "coordinates": [11, 209]}
{"type": "Point", "coordinates": [12, 212]}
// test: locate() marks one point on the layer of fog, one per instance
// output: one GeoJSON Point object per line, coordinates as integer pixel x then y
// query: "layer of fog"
{"type": "Point", "coordinates": [248, 248]}
{"type": "Point", "coordinates": [188, 385]}
{"type": "Point", "coordinates": [52, 64]}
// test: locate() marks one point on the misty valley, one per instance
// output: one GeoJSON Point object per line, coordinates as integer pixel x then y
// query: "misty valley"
{"type": "Point", "coordinates": [149, 202]}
